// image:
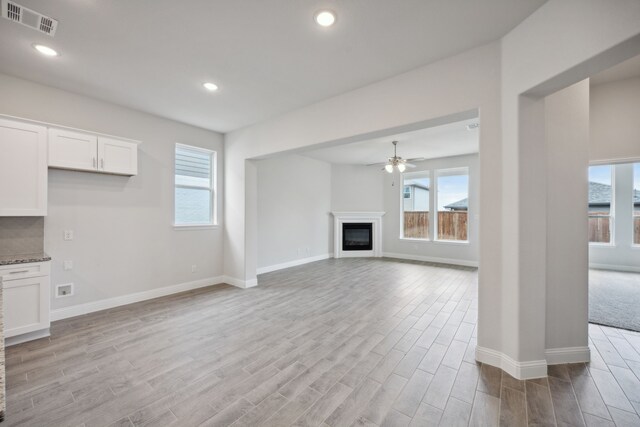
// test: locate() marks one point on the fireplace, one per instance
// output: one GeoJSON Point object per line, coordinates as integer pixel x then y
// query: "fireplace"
{"type": "Point", "coordinates": [357, 236]}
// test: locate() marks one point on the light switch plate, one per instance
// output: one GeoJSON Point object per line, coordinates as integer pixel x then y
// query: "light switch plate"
{"type": "Point", "coordinates": [68, 265]}
{"type": "Point", "coordinates": [68, 234]}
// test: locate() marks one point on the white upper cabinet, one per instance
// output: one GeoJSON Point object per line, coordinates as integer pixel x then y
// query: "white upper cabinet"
{"type": "Point", "coordinates": [89, 152]}
{"type": "Point", "coordinates": [73, 150]}
{"type": "Point", "coordinates": [118, 157]}
{"type": "Point", "coordinates": [23, 169]}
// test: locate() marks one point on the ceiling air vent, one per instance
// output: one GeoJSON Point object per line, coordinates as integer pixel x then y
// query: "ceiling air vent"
{"type": "Point", "coordinates": [29, 18]}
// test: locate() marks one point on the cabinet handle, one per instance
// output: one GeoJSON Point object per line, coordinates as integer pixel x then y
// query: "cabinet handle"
{"type": "Point", "coordinates": [102, 163]}
{"type": "Point", "coordinates": [94, 162]}
{"type": "Point", "coordinates": [19, 271]}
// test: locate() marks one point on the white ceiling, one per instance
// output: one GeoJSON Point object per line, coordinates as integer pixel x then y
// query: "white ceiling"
{"type": "Point", "coordinates": [452, 139]}
{"type": "Point", "coordinates": [267, 56]}
{"type": "Point", "coordinates": [624, 70]}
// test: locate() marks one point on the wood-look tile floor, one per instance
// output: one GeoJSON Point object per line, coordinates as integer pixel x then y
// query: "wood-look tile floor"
{"type": "Point", "coordinates": [364, 342]}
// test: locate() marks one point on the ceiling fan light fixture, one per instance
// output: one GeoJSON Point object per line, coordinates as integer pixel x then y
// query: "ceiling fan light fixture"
{"type": "Point", "coordinates": [389, 168]}
{"type": "Point", "coordinates": [401, 167]}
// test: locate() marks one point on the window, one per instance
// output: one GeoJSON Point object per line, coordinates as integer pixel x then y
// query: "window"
{"type": "Point", "coordinates": [415, 206]}
{"type": "Point", "coordinates": [636, 204]}
{"type": "Point", "coordinates": [453, 204]}
{"type": "Point", "coordinates": [194, 186]}
{"type": "Point", "coordinates": [600, 204]}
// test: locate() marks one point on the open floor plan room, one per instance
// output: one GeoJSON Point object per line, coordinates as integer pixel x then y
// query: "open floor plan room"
{"type": "Point", "coordinates": [320, 213]}
{"type": "Point", "coordinates": [337, 342]}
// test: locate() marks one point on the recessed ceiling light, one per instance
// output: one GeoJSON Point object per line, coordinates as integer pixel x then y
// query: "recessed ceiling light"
{"type": "Point", "coordinates": [212, 87]}
{"type": "Point", "coordinates": [45, 50]}
{"type": "Point", "coordinates": [325, 18]}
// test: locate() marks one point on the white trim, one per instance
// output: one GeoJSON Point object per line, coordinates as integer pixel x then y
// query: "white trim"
{"type": "Point", "coordinates": [293, 263]}
{"type": "Point", "coordinates": [519, 370]}
{"type": "Point", "coordinates": [375, 218]}
{"type": "Point", "coordinates": [184, 227]}
{"type": "Point", "coordinates": [615, 267]}
{"type": "Point", "coordinates": [30, 336]}
{"type": "Point", "coordinates": [558, 356]}
{"type": "Point", "coordinates": [239, 283]}
{"type": "Point", "coordinates": [453, 261]}
{"type": "Point", "coordinates": [104, 304]}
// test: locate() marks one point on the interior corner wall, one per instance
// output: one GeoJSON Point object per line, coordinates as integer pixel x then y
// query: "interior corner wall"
{"type": "Point", "coordinates": [356, 188]}
{"type": "Point", "coordinates": [294, 210]}
{"type": "Point", "coordinates": [124, 241]}
{"type": "Point", "coordinates": [615, 114]}
{"type": "Point", "coordinates": [433, 250]}
{"type": "Point", "coordinates": [567, 144]}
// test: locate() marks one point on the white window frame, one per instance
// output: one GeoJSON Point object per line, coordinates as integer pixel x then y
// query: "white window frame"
{"type": "Point", "coordinates": [436, 174]}
{"type": "Point", "coordinates": [213, 208]}
{"type": "Point", "coordinates": [429, 175]}
{"type": "Point", "coordinates": [634, 245]}
{"type": "Point", "coordinates": [612, 208]}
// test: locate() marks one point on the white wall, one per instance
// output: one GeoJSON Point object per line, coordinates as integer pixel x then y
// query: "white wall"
{"type": "Point", "coordinates": [294, 210]}
{"type": "Point", "coordinates": [458, 253]}
{"type": "Point", "coordinates": [356, 188]}
{"type": "Point", "coordinates": [567, 141]}
{"type": "Point", "coordinates": [124, 241]}
{"type": "Point", "coordinates": [615, 114]}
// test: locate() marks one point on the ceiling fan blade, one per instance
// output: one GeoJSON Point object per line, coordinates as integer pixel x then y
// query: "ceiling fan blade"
{"type": "Point", "coordinates": [409, 165]}
{"type": "Point", "coordinates": [377, 164]}
{"type": "Point", "coordinates": [416, 159]}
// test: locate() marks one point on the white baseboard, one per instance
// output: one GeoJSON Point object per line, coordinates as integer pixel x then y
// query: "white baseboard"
{"type": "Point", "coordinates": [19, 339]}
{"type": "Point", "coordinates": [558, 356]}
{"type": "Point", "coordinates": [293, 263]}
{"type": "Point", "coordinates": [612, 267]}
{"type": "Point", "coordinates": [452, 261]}
{"type": "Point", "coordinates": [239, 283]}
{"type": "Point", "coordinates": [519, 370]}
{"type": "Point", "coordinates": [80, 309]}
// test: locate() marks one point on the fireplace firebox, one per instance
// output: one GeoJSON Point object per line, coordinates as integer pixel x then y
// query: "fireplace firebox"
{"type": "Point", "coordinates": [357, 236]}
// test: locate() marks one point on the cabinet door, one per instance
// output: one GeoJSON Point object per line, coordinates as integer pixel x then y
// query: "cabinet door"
{"type": "Point", "coordinates": [26, 305]}
{"type": "Point", "coordinates": [117, 157]}
{"type": "Point", "coordinates": [73, 150]}
{"type": "Point", "coordinates": [23, 169]}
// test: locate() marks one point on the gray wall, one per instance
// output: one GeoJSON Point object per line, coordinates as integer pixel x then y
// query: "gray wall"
{"type": "Point", "coordinates": [294, 204]}
{"type": "Point", "coordinates": [124, 239]}
{"type": "Point", "coordinates": [615, 137]}
{"type": "Point", "coordinates": [615, 114]}
{"type": "Point", "coordinates": [356, 188]}
{"type": "Point", "coordinates": [567, 131]}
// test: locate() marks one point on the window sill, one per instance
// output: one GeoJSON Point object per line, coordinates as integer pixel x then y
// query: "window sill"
{"type": "Point", "coordinates": [452, 242]}
{"type": "Point", "coordinates": [446, 242]}
{"type": "Point", "coordinates": [602, 245]}
{"type": "Point", "coordinates": [195, 227]}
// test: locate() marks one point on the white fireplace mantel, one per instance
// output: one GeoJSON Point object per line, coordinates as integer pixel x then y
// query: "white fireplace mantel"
{"type": "Point", "coordinates": [375, 218]}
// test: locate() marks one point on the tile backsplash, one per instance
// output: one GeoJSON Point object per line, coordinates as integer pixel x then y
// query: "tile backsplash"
{"type": "Point", "coordinates": [21, 235]}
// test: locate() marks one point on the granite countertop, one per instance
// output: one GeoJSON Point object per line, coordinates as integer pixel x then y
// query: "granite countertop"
{"type": "Point", "coordinates": [24, 258]}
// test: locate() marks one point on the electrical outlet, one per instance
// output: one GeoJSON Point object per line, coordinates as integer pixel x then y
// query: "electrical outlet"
{"type": "Point", "coordinates": [65, 290]}
{"type": "Point", "coordinates": [68, 234]}
{"type": "Point", "coordinates": [68, 265]}
{"type": "Point", "coordinates": [194, 268]}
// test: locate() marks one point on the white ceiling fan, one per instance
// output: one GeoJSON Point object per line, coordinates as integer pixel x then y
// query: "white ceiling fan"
{"type": "Point", "coordinates": [397, 162]}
